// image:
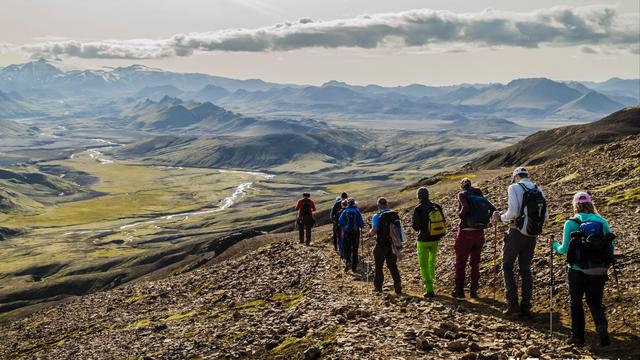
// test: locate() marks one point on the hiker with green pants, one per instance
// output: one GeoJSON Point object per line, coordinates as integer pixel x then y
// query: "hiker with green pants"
{"type": "Point", "coordinates": [428, 221]}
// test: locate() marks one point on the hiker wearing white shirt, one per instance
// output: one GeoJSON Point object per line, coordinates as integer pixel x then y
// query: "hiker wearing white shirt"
{"type": "Point", "coordinates": [526, 215]}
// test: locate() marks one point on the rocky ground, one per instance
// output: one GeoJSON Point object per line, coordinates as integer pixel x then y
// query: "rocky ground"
{"type": "Point", "coordinates": [284, 300]}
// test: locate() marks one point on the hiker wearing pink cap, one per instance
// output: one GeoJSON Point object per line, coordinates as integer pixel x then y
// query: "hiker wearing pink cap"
{"type": "Point", "coordinates": [588, 242]}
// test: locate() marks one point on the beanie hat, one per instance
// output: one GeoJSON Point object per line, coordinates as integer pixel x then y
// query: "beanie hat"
{"type": "Point", "coordinates": [422, 193]}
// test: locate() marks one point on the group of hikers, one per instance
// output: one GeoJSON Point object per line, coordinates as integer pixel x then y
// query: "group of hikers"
{"type": "Point", "coordinates": [587, 241]}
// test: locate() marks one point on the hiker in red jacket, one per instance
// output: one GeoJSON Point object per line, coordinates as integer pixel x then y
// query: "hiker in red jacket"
{"type": "Point", "coordinates": [305, 208]}
{"type": "Point", "coordinates": [474, 211]}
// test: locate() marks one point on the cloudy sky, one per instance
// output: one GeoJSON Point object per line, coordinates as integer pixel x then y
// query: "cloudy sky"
{"type": "Point", "coordinates": [358, 41]}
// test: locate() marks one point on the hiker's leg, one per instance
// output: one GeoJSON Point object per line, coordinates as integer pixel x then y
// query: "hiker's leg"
{"type": "Point", "coordinates": [393, 269]}
{"type": "Point", "coordinates": [348, 248]}
{"type": "Point", "coordinates": [524, 261]}
{"type": "Point", "coordinates": [509, 253]}
{"type": "Point", "coordinates": [379, 257]}
{"type": "Point", "coordinates": [308, 229]}
{"type": "Point", "coordinates": [576, 292]}
{"type": "Point", "coordinates": [461, 248]}
{"type": "Point", "coordinates": [474, 261]}
{"type": "Point", "coordinates": [301, 232]}
{"type": "Point", "coordinates": [335, 236]}
{"type": "Point", "coordinates": [594, 292]}
{"type": "Point", "coordinates": [355, 244]}
{"type": "Point", "coordinates": [423, 262]}
{"type": "Point", "coordinates": [431, 269]}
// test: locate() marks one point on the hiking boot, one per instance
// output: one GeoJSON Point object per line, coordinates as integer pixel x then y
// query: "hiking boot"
{"type": "Point", "coordinates": [474, 294]}
{"type": "Point", "coordinates": [398, 291]}
{"type": "Point", "coordinates": [525, 312]}
{"type": "Point", "coordinates": [429, 295]}
{"type": "Point", "coordinates": [458, 293]}
{"type": "Point", "coordinates": [575, 341]}
{"type": "Point", "coordinates": [347, 267]}
{"type": "Point", "coordinates": [604, 339]}
{"type": "Point", "coordinates": [511, 310]}
{"type": "Point", "coordinates": [377, 290]}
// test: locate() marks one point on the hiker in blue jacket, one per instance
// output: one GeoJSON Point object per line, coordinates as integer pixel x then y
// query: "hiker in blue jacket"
{"type": "Point", "coordinates": [351, 223]}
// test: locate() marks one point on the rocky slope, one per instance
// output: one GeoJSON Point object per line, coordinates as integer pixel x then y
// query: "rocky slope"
{"type": "Point", "coordinates": [550, 144]}
{"type": "Point", "coordinates": [272, 298]}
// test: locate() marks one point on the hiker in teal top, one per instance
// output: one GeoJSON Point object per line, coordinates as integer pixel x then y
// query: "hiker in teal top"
{"type": "Point", "coordinates": [589, 279]}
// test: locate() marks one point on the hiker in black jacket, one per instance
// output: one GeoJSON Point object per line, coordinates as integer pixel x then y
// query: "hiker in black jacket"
{"type": "Point", "coordinates": [428, 220]}
{"type": "Point", "coordinates": [335, 209]}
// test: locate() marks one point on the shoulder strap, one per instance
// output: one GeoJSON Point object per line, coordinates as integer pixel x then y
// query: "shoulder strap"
{"type": "Point", "coordinates": [524, 187]}
{"type": "Point", "coordinates": [576, 220]}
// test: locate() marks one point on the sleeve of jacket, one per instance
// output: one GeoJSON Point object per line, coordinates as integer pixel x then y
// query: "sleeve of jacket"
{"type": "Point", "coordinates": [313, 206]}
{"type": "Point", "coordinates": [463, 205]}
{"type": "Point", "coordinates": [342, 218]}
{"type": "Point", "coordinates": [298, 205]}
{"type": "Point", "coordinates": [415, 220]}
{"type": "Point", "coordinates": [360, 220]}
{"type": "Point", "coordinates": [512, 210]}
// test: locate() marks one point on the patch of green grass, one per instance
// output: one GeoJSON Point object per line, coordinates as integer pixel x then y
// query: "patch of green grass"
{"type": "Point", "coordinates": [290, 300]}
{"type": "Point", "coordinates": [182, 315]}
{"type": "Point", "coordinates": [624, 197]}
{"type": "Point", "coordinates": [566, 179]}
{"type": "Point", "coordinates": [287, 348]}
{"type": "Point", "coordinates": [251, 305]}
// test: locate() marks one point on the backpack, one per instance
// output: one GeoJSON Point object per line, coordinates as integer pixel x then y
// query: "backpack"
{"type": "Point", "coordinates": [305, 207]}
{"type": "Point", "coordinates": [589, 247]}
{"type": "Point", "coordinates": [387, 220]}
{"type": "Point", "coordinates": [436, 227]}
{"type": "Point", "coordinates": [351, 225]}
{"type": "Point", "coordinates": [479, 215]}
{"type": "Point", "coordinates": [533, 212]}
{"type": "Point", "coordinates": [390, 232]}
{"type": "Point", "coordinates": [336, 210]}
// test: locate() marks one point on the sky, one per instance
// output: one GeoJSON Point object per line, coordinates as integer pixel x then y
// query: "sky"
{"type": "Point", "coordinates": [358, 41]}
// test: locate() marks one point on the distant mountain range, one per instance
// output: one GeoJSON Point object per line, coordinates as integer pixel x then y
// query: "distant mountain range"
{"type": "Point", "coordinates": [534, 98]}
{"type": "Point", "coordinates": [176, 115]}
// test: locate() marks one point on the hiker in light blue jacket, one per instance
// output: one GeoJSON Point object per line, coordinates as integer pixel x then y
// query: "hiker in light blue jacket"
{"type": "Point", "coordinates": [587, 269]}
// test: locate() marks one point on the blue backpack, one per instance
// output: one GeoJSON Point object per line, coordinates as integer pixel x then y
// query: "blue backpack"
{"type": "Point", "coordinates": [351, 225]}
{"type": "Point", "coordinates": [589, 247]}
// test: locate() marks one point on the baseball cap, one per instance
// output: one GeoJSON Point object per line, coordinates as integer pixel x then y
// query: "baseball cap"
{"type": "Point", "coordinates": [581, 198]}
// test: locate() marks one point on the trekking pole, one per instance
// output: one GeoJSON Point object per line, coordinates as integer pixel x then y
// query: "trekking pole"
{"type": "Point", "coordinates": [495, 255]}
{"type": "Point", "coordinates": [551, 285]}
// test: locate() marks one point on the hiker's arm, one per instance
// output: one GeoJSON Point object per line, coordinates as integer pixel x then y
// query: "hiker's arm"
{"type": "Point", "coordinates": [512, 210]}
{"type": "Point", "coordinates": [463, 205]}
{"type": "Point", "coordinates": [341, 219]}
{"type": "Point", "coordinates": [569, 227]}
{"type": "Point", "coordinates": [298, 205]}
{"type": "Point", "coordinates": [360, 220]}
{"type": "Point", "coordinates": [313, 206]}
{"type": "Point", "coordinates": [374, 225]}
{"type": "Point", "coordinates": [415, 221]}
{"type": "Point", "coordinates": [607, 230]}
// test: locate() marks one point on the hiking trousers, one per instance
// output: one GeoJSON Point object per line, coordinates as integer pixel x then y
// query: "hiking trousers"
{"type": "Point", "coordinates": [592, 287]}
{"type": "Point", "coordinates": [304, 229]}
{"type": "Point", "coordinates": [427, 252]}
{"type": "Point", "coordinates": [382, 254]}
{"type": "Point", "coordinates": [520, 247]}
{"type": "Point", "coordinates": [336, 235]}
{"type": "Point", "coordinates": [351, 244]}
{"type": "Point", "coordinates": [468, 246]}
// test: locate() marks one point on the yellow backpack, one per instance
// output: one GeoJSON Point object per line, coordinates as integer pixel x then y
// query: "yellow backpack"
{"type": "Point", "coordinates": [436, 226]}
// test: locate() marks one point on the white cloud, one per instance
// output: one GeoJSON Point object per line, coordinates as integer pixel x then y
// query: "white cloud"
{"type": "Point", "coordinates": [592, 26]}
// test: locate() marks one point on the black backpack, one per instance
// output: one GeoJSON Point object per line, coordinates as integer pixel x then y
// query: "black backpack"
{"type": "Point", "coordinates": [479, 215]}
{"type": "Point", "coordinates": [533, 212]}
{"type": "Point", "coordinates": [305, 208]}
{"type": "Point", "coordinates": [589, 247]}
{"type": "Point", "coordinates": [385, 222]}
